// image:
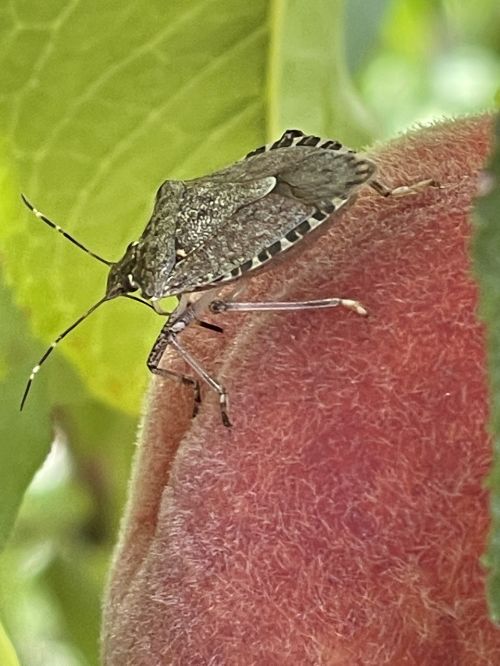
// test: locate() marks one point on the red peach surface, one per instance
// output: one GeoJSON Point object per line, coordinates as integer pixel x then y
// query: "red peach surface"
{"type": "Point", "coordinates": [341, 520]}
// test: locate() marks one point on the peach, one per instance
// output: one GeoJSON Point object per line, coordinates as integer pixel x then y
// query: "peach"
{"type": "Point", "coordinates": [341, 520]}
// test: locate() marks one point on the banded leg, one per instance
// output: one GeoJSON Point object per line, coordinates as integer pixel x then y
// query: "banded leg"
{"type": "Point", "coordinates": [402, 190]}
{"type": "Point", "coordinates": [153, 364]}
{"type": "Point", "coordinates": [218, 306]}
{"type": "Point", "coordinates": [168, 337]}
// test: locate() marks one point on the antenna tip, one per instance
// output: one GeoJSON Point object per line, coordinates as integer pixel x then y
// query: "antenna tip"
{"type": "Point", "coordinates": [26, 202]}
{"type": "Point", "coordinates": [26, 391]}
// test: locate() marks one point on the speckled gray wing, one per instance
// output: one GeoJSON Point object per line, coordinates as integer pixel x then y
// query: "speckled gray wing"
{"type": "Point", "coordinates": [186, 216]}
{"type": "Point", "coordinates": [234, 249]}
{"type": "Point", "coordinates": [149, 261]}
{"type": "Point", "coordinates": [311, 183]}
{"type": "Point", "coordinates": [207, 206]}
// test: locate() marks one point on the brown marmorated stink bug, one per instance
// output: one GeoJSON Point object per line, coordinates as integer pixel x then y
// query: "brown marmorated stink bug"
{"type": "Point", "coordinates": [212, 230]}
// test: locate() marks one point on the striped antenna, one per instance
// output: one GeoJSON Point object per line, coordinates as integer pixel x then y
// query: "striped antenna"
{"type": "Point", "coordinates": [50, 349]}
{"type": "Point", "coordinates": [55, 226]}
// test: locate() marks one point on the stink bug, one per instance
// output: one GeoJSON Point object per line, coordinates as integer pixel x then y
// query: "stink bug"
{"type": "Point", "coordinates": [209, 231]}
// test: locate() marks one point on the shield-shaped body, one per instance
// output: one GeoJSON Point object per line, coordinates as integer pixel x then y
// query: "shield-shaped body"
{"type": "Point", "coordinates": [214, 229]}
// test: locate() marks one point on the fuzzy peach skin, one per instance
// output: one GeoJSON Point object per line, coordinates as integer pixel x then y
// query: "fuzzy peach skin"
{"type": "Point", "coordinates": [340, 521]}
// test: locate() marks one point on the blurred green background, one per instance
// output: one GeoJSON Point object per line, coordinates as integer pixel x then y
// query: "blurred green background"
{"type": "Point", "coordinates": [100, 102]}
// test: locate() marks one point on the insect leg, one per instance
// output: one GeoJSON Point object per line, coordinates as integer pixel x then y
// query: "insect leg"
{"type": "Point", "coordinates": [182, 307]}
{"type": "Point", "coordinates": [153, 364]}
{"type": "Point", "coordinates": [402, 190]}
{"type": "Point", "coordinates": [218, 306]}
{"type": "Point", "coordinates": [168, 337]}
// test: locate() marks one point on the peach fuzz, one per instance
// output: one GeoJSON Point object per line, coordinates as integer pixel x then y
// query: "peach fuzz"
{"type": "Point", "coordinates": [341, 520]}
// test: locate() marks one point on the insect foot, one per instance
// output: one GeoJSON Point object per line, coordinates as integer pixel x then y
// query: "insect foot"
{"type": "Point", "coordinates": [404, 190]}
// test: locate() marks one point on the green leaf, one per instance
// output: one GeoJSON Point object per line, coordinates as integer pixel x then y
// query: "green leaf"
{"type": "Point", "coordinates": [76, 582]}
{"type": "Point", "coordinates": [102, 444]}
{"type": "Point", "coordinates": [8, 655]}
{"type": "Point", "coordinates": [487, 268]}
{"type": "Point", "coordinates": [101, 102]}
{"type": "Point", "coordinates": [67, 524]}
{"type": "Point", "coordinates": [364, 22]}
{"type": "Point", "coordinates": [24, 437]}
{"type": "Point", "coordinates": [309, 83]}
